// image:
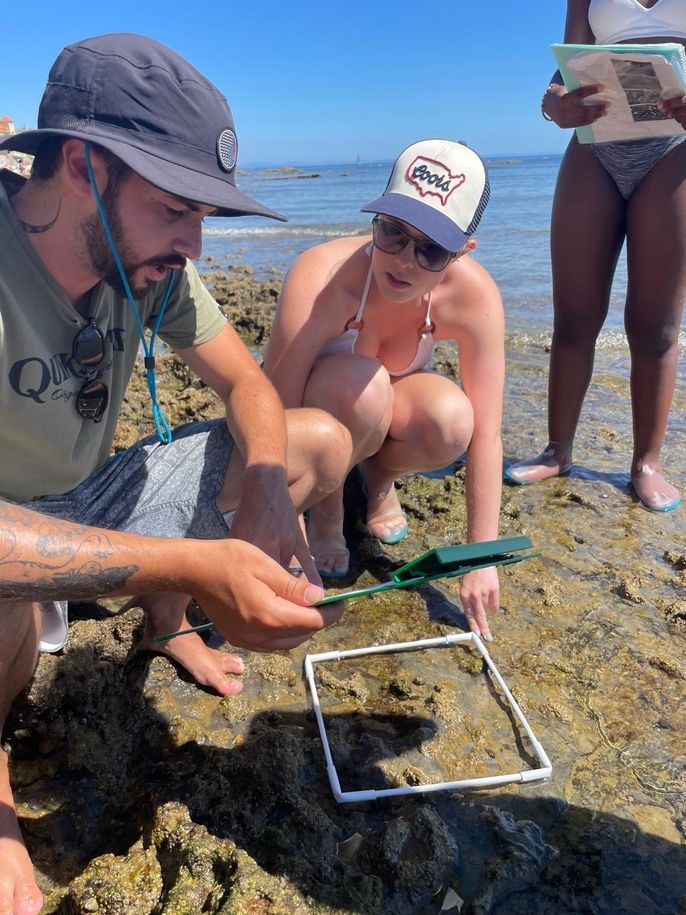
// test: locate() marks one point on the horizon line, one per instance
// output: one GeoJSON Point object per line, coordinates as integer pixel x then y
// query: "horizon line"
{"type": "Point", "coordinates": [299, 164]}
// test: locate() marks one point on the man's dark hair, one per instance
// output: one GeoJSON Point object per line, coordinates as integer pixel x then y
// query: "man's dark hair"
{"type": "Point", "coordinates": [47, 160]}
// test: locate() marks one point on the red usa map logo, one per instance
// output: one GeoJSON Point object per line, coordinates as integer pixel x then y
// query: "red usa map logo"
{"type": "Point", "coordinates": [432, 177]}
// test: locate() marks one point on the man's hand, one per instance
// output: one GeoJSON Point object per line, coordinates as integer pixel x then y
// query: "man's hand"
{"type": "Point", "coordinates": [267, 518]}
{"type": "Point", "coordinates": [253, 601]}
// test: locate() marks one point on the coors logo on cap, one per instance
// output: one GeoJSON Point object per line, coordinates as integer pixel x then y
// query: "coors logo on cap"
{"type": "Point", "coordinates": [420, 191]}
{"type": "Point", "coordinates": [432, 177]}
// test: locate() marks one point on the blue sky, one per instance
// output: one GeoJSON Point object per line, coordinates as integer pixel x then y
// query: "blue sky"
{"type": "Point", "coordinates": [324, 82]}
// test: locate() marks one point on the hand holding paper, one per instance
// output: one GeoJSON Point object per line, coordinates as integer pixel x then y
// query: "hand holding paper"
{"type": "Point", "coordinates": [637, 80]}
{"type": "Point", "coordinates": [675, 108]}
{"type": "Point", "coordinates": [569, 109]}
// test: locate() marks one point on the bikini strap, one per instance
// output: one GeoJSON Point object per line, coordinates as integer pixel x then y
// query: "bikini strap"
{"type": "Point", "coordinates": [356, 323]}
{"type": "Point", "coordinates": [428, 327]}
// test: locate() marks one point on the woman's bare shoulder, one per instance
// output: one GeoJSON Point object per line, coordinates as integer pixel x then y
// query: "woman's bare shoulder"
{"type": "Point", "coordinates": [324, 280]}
{"type": "Point", "coordinates": [469, 280]}
{"type": "Point", "coordinates": [330, 257]}
{"type": "Point", "coordinates": [468, 296]}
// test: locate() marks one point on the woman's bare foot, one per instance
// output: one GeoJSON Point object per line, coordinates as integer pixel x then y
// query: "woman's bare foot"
{"type": "Point", "coordinates": [208, 667]}
{"type": "Point", "coordinates": [19, 893]}
{"type": "Point", "coordinates": [653, 490]}
{"type": "Point", "coordinates": [547, 464]}
{"type": "Point", "coordinates": [326, 541]}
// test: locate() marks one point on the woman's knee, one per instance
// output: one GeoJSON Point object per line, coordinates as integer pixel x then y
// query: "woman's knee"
{"type": "Point", "coordinates": [355, 389]}
{"type": "Point", "coordinates": [447, 432]}
{"type": "Point", "coordinates": [329, 444]}
{"type": "Point", "coordinates": [577, 327]}
{"type": "Point", "coordinates": [459, 431]}
{"type": "Point", "coordinates": [651, 338]}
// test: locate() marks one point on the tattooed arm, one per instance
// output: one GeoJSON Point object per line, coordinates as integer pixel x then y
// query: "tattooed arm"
{"type": "Point", "coordinates": [253, 601]}
{"type": "Point", "coordinates": [42, 559]}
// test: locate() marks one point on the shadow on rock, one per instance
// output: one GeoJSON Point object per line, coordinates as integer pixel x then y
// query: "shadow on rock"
{"type": "Point", "coordinates": [129, 808]}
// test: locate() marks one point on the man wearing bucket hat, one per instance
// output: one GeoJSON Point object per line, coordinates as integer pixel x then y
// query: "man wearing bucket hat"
{"type": "Point", "coordinates": [134, 147]}
{"type": "Point", "coordinates": [354, 334]}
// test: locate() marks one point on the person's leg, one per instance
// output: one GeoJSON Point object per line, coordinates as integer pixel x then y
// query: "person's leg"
{"type": "Point", "coordinates": [357, 391]}
{"type": "Point", "coordinates": [431, 427]}
{"type": "Point", "coordinates": [587, 230]}
{"type": "Point", "coordinates": [19, 633]}
{"type": "Point", "coordinates": [319, 457]}
{"type": "Point", "coordinates": [162, 490]}
{"type": "Point", "coordinates": [656, 258]}
{"type": "Point", "coordinates": [317, 460]}
{"type": "Point", "coordinates": [167, 612]}
{"type": "Point", "coordinates": [181, 490]}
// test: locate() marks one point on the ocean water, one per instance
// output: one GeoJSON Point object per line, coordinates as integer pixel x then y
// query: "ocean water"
{"type": "Point", "coordinates": [323, 202]}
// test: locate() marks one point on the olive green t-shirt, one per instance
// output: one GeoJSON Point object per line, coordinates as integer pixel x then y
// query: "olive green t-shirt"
{"type": "Point", "coordinates": [46, 448]}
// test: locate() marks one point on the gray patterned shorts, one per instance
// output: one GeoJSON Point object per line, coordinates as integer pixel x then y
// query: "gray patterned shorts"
{"type": "Point", "coordinates": [153, 489]}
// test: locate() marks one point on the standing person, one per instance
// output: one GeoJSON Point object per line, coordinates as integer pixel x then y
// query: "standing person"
{"type": "Point", "coordinates": [134, 147]}
{"type": "Point", "coordinates": [608, 193]}
{"type": "Point", "coordinates": [354, 333]}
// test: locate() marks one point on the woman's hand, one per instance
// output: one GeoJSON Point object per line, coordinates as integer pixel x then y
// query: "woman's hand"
{"type": "Point", "coordinates": [480, 593]}
{"type": "Point", "coordinates": [568, 109]}
{"type": "Point", "coordinates": [674, 108]}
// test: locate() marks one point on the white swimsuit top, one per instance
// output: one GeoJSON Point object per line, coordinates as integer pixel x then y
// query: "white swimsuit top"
{"type": "Point", "coordinates": [627, 20]}
{"type": "Point", "coordinates": [345, 342]}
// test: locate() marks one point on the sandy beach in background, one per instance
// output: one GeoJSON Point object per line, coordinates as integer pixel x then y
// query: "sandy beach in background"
{"type": "Point", "coordinates": [139, 794]}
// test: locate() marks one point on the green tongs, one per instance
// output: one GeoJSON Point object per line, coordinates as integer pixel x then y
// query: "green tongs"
{"type": "Point", "coordinates": [441, 562]}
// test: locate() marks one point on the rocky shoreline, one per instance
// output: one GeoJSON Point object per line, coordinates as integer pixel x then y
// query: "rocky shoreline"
{"type": "Point", "coordinates": [140, 794]}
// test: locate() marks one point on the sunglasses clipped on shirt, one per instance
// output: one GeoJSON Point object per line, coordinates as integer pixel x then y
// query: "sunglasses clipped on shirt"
{"type": "Point", "coordinates": [391, 238]}
{"type": "Point", "coordinates": [88, 351]}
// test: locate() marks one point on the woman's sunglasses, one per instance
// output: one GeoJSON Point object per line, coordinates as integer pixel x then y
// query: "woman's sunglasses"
{"type": "Point", "coordinates": [391, 239]}
{"type": "Point", "coordinates": [88, 351]}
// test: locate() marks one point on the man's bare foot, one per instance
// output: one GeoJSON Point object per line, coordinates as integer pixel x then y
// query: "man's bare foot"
{"type": "Point", "coordinates": [547, 464]}
{"type": "Point", "coordinates": [385, 518]}
{"type": "Point", "coordinates": [327, 543]}
{"type": "Point", "coordinates": [19, 894]}
{"type": "Point", "coordinates": [653, 490]}
{"type": "Point", "coordinates": [208, 667]}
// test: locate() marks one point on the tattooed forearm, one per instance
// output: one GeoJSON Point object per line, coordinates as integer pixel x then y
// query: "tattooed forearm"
{"type": "Point", "coordinates": [44, 558]}
{"type": "Point", "coordinates": [89, 582]}
{"type": "Point", "coordinates": [55, 548]}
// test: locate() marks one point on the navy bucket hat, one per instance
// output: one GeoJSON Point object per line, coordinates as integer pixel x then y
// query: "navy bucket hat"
{"type": "Point", "coordinates": [152, 109]}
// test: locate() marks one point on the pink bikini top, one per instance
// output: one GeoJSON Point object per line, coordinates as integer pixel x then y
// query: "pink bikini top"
{"type": "Point", "coordinates": [626, 20]}
{"type": "Point", "coordinates": [345, 342]}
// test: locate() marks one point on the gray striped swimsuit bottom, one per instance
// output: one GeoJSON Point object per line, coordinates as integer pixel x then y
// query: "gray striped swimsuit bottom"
{"type": "Point", "coordinates": [629, 161]}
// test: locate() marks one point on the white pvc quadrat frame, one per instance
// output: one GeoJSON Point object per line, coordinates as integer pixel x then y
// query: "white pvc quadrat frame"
{"type": "Point", "coordinates": [343, 797]}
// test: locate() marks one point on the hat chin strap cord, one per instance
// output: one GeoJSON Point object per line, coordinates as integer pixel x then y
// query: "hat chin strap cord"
{"type": "Point", "coordinates": [164, 432]}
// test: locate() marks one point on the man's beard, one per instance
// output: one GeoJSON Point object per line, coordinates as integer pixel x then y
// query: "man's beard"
{"type": "Point", "coordinates": [102, 260]}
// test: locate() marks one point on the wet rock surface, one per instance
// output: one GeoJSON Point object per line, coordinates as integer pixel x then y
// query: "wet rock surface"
{"type": "Point", "coordinates": [140, 794]}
